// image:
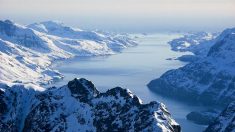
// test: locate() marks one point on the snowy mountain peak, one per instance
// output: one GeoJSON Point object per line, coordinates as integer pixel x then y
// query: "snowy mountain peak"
{"type": "Point", "coordinates": [82, 89]}
{"type": "Point", "coordinates": [61, 30]}
{"type": "Point", "coordinates": [9, 21]}
{"type": "Point", "coordinates": [55, 109]}
{"type": "Point", "coordinates": [53, 23]}
{"type": "Point", "coordinates": [50, 26]}
{"type": "Point", "coordinates": [118, 90]}
{"type": "Point", "coordinates": [125, 93]}
{"type": "Point", "coordinates": [7, 27]}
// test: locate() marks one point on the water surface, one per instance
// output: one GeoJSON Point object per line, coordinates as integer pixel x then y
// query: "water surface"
{"type": "Point", "coordinates": [133, 69]}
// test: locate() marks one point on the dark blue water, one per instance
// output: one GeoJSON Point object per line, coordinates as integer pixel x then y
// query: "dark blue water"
{"type": "Point", "coordinates": [133, 69]}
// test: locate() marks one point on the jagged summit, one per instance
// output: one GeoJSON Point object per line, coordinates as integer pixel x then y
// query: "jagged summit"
{"type": "Point", "coordinates": [78, 106]}
{"type": "Point", "coordinates": [82, 89]}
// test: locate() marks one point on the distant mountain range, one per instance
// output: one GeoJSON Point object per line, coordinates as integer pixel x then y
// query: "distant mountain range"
{"type": "Point", "coordinates": [27, 51]}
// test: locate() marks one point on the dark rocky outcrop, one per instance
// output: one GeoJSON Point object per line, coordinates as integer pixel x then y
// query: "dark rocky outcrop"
{"type": "Point", "coordinates": [225, 122]}
{"type": "Point", "coordinates": [79, 106]}
{"type": "Point", "coordinates": [203, 117]}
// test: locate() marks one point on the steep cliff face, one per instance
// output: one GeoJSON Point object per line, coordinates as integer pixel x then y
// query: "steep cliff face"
{"type": "Point", "coordinates": [210, 80]}
{"type": "Point", "coordinates": [79, 106]}
{"type": "Point", "coordinates": [225, 122]}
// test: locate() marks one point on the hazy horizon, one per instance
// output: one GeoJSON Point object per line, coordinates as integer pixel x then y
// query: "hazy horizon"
{"type": "Point", "coordinates": [125, 15]}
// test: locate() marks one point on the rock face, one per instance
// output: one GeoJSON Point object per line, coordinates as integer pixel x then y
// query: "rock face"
{"type": "Point", "coordinates": [203, 117]}
{"type": "Point", "coordinates": [225, 122]}
{"type": "Point", "coordinates": [79, 106]}
{"type": "Point", "coordinates": [210, 80]}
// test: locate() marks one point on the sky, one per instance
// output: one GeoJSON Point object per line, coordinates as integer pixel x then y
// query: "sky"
{"type": "Point", "coordinates": [125, 15]}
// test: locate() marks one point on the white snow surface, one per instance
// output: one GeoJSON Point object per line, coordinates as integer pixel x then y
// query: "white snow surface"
{"type": "Point", "coordinates": [209, 80]}
{"type": "Point", "coordinates": [57, 109]}
{"type": "Point", "coordinates": [26, 52]}
{"type": "Point", "coordinates": [198, 43]}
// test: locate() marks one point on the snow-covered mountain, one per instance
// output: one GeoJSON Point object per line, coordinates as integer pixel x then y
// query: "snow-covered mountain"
{"type": "Point", "coordinates": [115, 42]}
{"type": "Point", "coordinates": [79, 106]}
{"type": "Point", "coordinates": [198, 43]}
{"type": "Point", "coordinates": [210, 80]}
{"type": "Point", "coordinates": [21, 35]}
{"type": "Point", "coordinates": [225, 122]}
{"type": "Point", "coordinates": [59, 29]}
{"type": "Point", "coordinates": [27, 52]}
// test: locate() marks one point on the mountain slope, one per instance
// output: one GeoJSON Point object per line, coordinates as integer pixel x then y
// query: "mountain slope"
{"type": "Point", "coordinates": [197, 43]}
{"type": "Point", "coordinates": [225, 122]}
{"type": "Point", "coordinates": [79, 106]}
{"type": "Point", "coordinates": [27, 54]}
{"type": "Point", "coordinates": [59, 29]}
{"type": "Point", "coordinates": [210, 80]}
{"type": "Point", "coordinates": [19, 63]}
{"type": "Point", "coordinates": [73, 35]}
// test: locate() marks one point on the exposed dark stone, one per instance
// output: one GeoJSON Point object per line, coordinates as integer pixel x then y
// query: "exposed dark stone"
{"type": "Point", "coordinates": [80, 106]}
{"type": "Point", "coordinates": [203, 117]}
{"type": "Point", "coordinates": [82, 89]}
{"type": "Point", "coordinates": [3, 106]}
{"type": "Point", "coordinates": [225, 122]}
